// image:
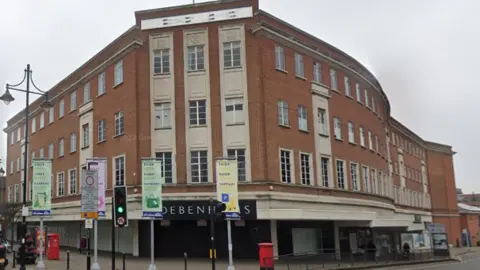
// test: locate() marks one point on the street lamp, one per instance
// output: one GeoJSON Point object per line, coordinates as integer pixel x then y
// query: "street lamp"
{"type": "Point", "coordinates": [46, 104]}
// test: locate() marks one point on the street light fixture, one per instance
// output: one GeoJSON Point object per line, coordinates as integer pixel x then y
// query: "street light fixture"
{"type": "Point", "coordinates": [46, 104]}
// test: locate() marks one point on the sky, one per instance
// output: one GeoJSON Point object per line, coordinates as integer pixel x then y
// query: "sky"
{"type": "Point", "coordinates": [424, 53]}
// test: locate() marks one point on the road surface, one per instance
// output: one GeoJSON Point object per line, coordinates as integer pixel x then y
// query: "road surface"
{"type": "Point", "coordinates": [469, 263]}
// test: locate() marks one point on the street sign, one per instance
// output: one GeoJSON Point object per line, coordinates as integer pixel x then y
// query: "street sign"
{"type": "Point", "coordinates": [152, 188]}
{"type": "Point", "coordinates": [436, 228]}
{"type": "Point", "coordinates": [41, 188]}
{"type": "Point", "coordinates": [88, 223]}
{"type": "Point", "coordinates": [100, 165]}
{"type": "Point", "coordinates": [227, 186]}
{"type": "Point", "coordinates": [89, 188]}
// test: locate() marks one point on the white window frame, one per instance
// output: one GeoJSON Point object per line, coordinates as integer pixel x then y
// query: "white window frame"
{"type": "Point", "coordinates": [11, 167]}
{"type": "Point", "coordinates": [196, 58]}
{"type": "Point", "coordinates": [306, 170]}
{"type": "Point", "coordinates": [351, 132]}
{"type": "Point", "coordinates": [337, 128]}
{"type": "Point", "coordinates": [61, 108]}
{"type": "Point", "coordinates": [118, 73]}
{"type": "Point", "coordinates": [119, 123]}
{"type": "Point", "coordinates": [162, 157]}
{"type": "Point", "coordinates": [374, 109]}
{"type": "Point", "coordinates": [32, 158]}
{"type": "Point", "coordinates": [348, 90]}
{"type": "Point", "coordinates": [280, 58]}
{"type": "Point", "coordinates": [242, 165]}
{"type": "Point", "coordinates": [102, 84]}
{"type": "Point", "coordinates": [197, 153]}
{"type": "Point", "coordinates": [74, 180]}
{"type": "Point", "coordinates": [114, 170]}
{"type": "Point", "coordinates": [161, 61]}
{"type": "Point", "coordinates": [299, 66]}
{"type": "Point", "coordinates": [61, 147]}
{"type": "Point", "coordinates": [232, 54]}
{"type": "Point", "coordinates": [341, 175]}
{"type": "Point", "coordinates": [101, 130]}
{"type": "Point", "coordinates": [86, 93]}
{"type": "Point", "coordinates": [377, 144]}
{"type": "Point", "coordinates": [73, 142]}
{"type": "Point", "coordinates": [10, 194]}
{"type": "Point", "coordinates": [59, 194]}
{"type": "Point", "coordinates": [302, 118]}
{"type": "Point", "coordinates": [51, 149]}
{"type": "Point", "coordinates": [317, 72]}
{"type": "Point", "coordinates": [19, 134]}
{"type": "Point", "coordinates": [374, 181]}
{"type": "Point", "coordinates": [282, 113]}
{"type": "Point", "coordinates": [333, 79]}
{"type": "Point", "coordinates": [325, 171]}
{"type": "Point", "coordinates": [41, 153]}
{"type": "Point", "coordinates": [367, 103]}
{"type": "Point", "coordinates": [358, 91]}
{"type": "Point", "coordinates": [73, 101]}
{"type": "Point", "coordinates": [42, 120]}
{"type": "Point", "coordinates": [18, 164]}
{"type": "Point", "coordinates": [234, 110]}
{"type": "Point", "coordinates": [366, 179]}
{"type": "Point", "coordinates": [354, 173]}
{"type": "Point", "coordinates": [290, 164]}
{"type": "Point", "coordinates": [370, 140]}
{"type": "Point", "coordinates": [34, 124]}
{"type": "Point", "coordinates": [322, 119]}
{"type": "Point", "coordinates": [197, 106]}
{"type": "Point", "coordinates": [85, 135]}
{"type": "Point", "coordinates": [163, 115]}
{"type": "Point", "coordinates": [15, 191]}
{"type": "Point", "coordinates": [12, 137]}
{"type": "Point", "coordinates": [51, 115]}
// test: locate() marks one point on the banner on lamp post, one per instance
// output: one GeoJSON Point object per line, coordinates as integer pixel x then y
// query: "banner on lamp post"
{"type": "Point", "coordinates": [227, 186]}
{"type": "Point", "coordinates": [152, 181]}
{"type": "Point", "coordinates": [99, 165]}
{"type": "Point", "coordinates": [42, 187]}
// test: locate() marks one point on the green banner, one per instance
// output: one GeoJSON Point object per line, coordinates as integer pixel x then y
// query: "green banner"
{"type": "Point", "coordinates": [42, 187]}
{"type": "Point", "coordinates": [152, 181]}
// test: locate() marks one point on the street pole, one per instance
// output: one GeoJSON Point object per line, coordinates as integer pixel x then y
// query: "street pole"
{"type": "Point", "coordinates": [95, 265]}
{"type": "Point", "coordinates": [230, 245]}
{"type": "Point", "coordinates": [152, 246]}
{"type": "Point", "coordinates": [41, 264]}
{"type": "Point", "coordinates": [212, 232]}
{"type": "Point", "coordinates": [113, 235]}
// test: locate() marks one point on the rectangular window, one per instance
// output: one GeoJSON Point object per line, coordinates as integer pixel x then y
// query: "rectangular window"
{"type": "Point", "coordinates": [299, 65]}
{"type": "Point", "coordinates": [86, 93]}
{"type": "Point", "coordinates": [73, 101]}
{"type": "Point", "coordinates": [86, 135]}
{"type": "Point", "coordinates": [51, 115]}
{"type": "Point", "coordinates": [354, 176]}
{"type": "Point", "coordinates": [61, 147]}
{"type": "Point", "coordinates": [41, 153]}
{"type": "Point", "coordinates": [18, 164]}
{"type": "Point", "coordinates": [377, 144]}
{"type": "Point", "coordinates": [161, 61]}
{"type": "Point", "coordinates": [341, 174]}
{"type": "Point", "coordinates": [50, 151]}
{"type": "Point", "coordinates": [359, 92]}
{"type": "Point", "coordinates": [279, 57]}
{"type": "Point", "coordinates": [32, 158]}
{"type": "Point", "coordinates": [34, 124]}
{"type": "Point", "coordinates": [374, 181]}
{"type": "Point", "coordinates": [302, 118]}
{"type": "Point", "coordinates": [199, 166]}
{"type": "Point", "coordinates": [119, 124]}
{"type": "Point", "coordinates": [351, 132]}
{"type": "Point", "coordinates": [11, 167]}
{"type": "Point", "coordinates": [102, 84]}
{"type": "Point", "coordinates": [19, 134]}
{"type": "Point", "coordinates": [286, 166]}
{"type": "Point", "coordinates": [380, 183]}
{"type": "Point", "coordinates": [119, 171]}
{"type": "Point", "coordinates": [72, 181]}
{"type": "Point", "coordinates": [234, 110]}
{"type": "Point", "coordinates": [167, 165]}
{"type": "Point", "coordinates": [61, 108]}
{"type": "Point", "coordinates": [196, 58]}
{"type": "Point", "coordinates": [366, 179]}
{"type": "Point", "coordinates": [370, 140]}
{"type": "Point", "coordinates": [239, 154]}
{"type": "Point", "coordinates": [102, 127]}
{"type": "Point", "coordinates": [306, 169]}
{"type": "Point", "coordinates": [12, 137]}
{"type": "Point", "coordinates": [232, 54]}
{"type": "Point", "coordinates": [42, 120]}
{"type": "Point", "coordinates": [198, 112]}
{"type": "Point", "coordinates": [366, 99]}
{"type": "Point", "coordinates": [374, 107]}
{"type": "Point", "coordinates": [163, 115]}
{"type": "Point", "coordinates": [324, 165]}
{"type": "Point", "coordinates": [282, 113]}
{"type": "Point", "coordinates": [73, 142]}
{"type": "Point", "coordinates": [322, 121]}
{"type": "Point", "coordinates": [10, 194]}
{"type": "Point", "coordinates": [348, 91]}
{"type": "Point", "coordinates": [118, 74]}
{"type": "Point", "coordinates": [17, 193]}
{"type": "Point", "coordinates": [333, 79]}
{"type": "Point", "coordinates": [337, 125]}
{"type": "Point", "coordinates": [317, 72]}
{"type": "Point", "coordinates": [60, 184]}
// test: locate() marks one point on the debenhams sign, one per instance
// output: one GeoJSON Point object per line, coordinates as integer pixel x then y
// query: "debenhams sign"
{"type": "Point", "coordinates": [195, 210]}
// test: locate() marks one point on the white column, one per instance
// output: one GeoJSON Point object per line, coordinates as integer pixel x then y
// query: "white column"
{"type": "Point", "coordinates": [135, 238]}
{"type": "Point", "coordinates": [336, 233]}
{"type": "Point", "coordinates": [274, 236]}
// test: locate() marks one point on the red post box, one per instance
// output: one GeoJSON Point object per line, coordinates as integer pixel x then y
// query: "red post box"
{"type": "Point", "coordinates": [265, 254]}
{"type": "Point", "coordinates": [53, 247]}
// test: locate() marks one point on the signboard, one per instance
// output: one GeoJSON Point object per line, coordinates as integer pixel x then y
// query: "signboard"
{"type": "Point", "coordinates": [436, 228]}
{"type": "Point", "coordinates": [42, 187]}
{"type": "Point", "coordinates": [227, 186]}
{"type": "Point", "coordinates": [88, 223]}
{"type": "Point", "coordinates": [152, 181]}
{"type": "Point", "coordinates": [200, 209]}
{"type": "Point", "coordinates": [89, 188]}
{"type": "Point", "coordinates": [100, 165]}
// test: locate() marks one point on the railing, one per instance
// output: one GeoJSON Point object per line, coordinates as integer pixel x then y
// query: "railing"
{"type": "Point", "coordinates": [331, 258]}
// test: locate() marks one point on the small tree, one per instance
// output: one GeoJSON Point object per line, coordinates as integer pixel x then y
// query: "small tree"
{"type": "Point", "coordinates": [10, 213]}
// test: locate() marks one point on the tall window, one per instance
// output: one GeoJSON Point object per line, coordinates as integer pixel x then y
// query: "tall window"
{"type": "Point", "coordinates": [11, 167]}
{"type": "Point", "coordinates": [32, 158]}
{"type": "Point", "coordinates": [118, 73]}
{"type": "Point", "coordinates": [381, 183]}
{"type": "Point", "coordinates": [239, 154]}
{"type": "Point", "coordinates": [102, 126]}
{"type": "Point", "coordinates": [333, 79]}
{"type": "Point", "coordinates": [377, 144]}
{"type": "Point", "coordinates": [102, 85]}
{"type": "Point", "coordinates": [362, 136]}
{"type": "Point", "coordinates": [86, 135]}
{"type": "Point", "coordinates": [196, 58]}
{"type": "Point", "coordinates": [73, 101]}
{"type": "Point", "coordinates": [61, 108]}
{"type": "Point", "coordinates": [10, 194]}
{"type": "Point", "coordinates": [73, 142]}
{"type": "Point", "coordinates": [86, 93]}
{"type": "Point", "coordinates": [12, 137]}
{"type": "Point", "coordinates": [119, 171]}
{"type": "Point", "coordinates": [341, 174]}
{"type": "Point", "coordinates": [351, 132]}
{"type": "Point", "coordinates": [167, 166]}
{"type": "Point", "coordinates": [302, 118]}
{"type": "Point", "coordinates": [199, 166]}
{"type": "Point", "coordinates": [34, 124]}
{"type": "Point", "coordinates": [51, 115]}
{"type": "Point", "coordinates": [61, 147]}
{"type": "Point", "coordinates": [60, 184]}
{"type": "Point", "coordinates": [17, 192]}
{"type": "Point", "coordinates": [19, 134]}
{"type": "Point", "coordinates": [232, 54]}
{"type": "Point", "coordinates": [286, 165]}
{"type": "Point", "coordinates": [359, 92]}
{"type": "Point", "coordinates": [366, 99]}
{"type": "Point", "coordinates": [198, 112]}
{"type": "Point", "coordinates": [305, 169]}
{"type": "Point", "coordinates": [317, 72]}
{"type": "Point", "coordinates": [354, 175]}
{"type": "Point", "coordinates": [337, 125]}
{"type": "Point", "coordinates": [324, 165]}
{"type": "Point", "coordinates": [41, 153]}
{"type": "Point", "coordinates": [234, 109]}
{"type": "Point", "coordinates": [42, 120]}
{"type": "Point", "coordinates": [72, 181]}
{"type": "Point", "coordinates": [370, 140]}
{"type": "Point", "coordinates": [374, 109]}
{"type": "Point", "coordinates": [322, 121]}
{"type": "Point", "coordinates": [161, 61]}
{"type": "Point", "coordinates": [282, 113]}
{"type": "Point", "coordinates": [119, 124]}
{"type": "Point", "coordinates": [279, 57]}
{"type": "Point", "coordinates": [50, 151]}
{"type": "Point", "coordinates": [163, 115]}
{"type": "Point", "coordinates": [366, 179]}
{"type": "Point", "coordinates": [299, 65]}
{"type": "Point", "coordinates": [374, 181]}
{"type": "Point", "coordinates": [348, 91]}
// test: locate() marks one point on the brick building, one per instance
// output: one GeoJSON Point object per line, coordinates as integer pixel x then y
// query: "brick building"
{"type": "Point", "coordinates": [320, 156]}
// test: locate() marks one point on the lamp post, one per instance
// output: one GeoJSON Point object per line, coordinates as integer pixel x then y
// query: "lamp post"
{"type": "Point", "coordinates": [7, 98]}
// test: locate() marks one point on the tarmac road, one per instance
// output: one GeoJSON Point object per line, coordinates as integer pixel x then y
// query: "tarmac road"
{"type": "Point", "coordinates": [471, 263]}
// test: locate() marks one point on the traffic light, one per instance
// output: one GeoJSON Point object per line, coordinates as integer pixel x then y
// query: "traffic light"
{"type": "Point", "coordinates": [120, 206]}
{"type": "Point", "coordinates": [219, 208]}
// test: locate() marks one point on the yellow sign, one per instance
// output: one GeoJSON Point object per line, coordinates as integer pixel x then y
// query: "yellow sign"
{"type": "Point", "coordinates": [93, 215]}
{"type": "Point", "coordinates": [227, 186]}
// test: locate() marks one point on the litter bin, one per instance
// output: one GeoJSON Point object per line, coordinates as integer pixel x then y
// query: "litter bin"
{"type": "Point", "coordinates": [53, 248]}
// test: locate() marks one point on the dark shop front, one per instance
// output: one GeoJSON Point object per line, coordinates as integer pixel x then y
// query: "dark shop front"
{"type": "Point", "coordinates": [185, 229]}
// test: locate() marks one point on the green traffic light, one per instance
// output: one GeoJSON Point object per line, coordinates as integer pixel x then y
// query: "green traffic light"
{"type": "Point", "coordinates": [120, 209]}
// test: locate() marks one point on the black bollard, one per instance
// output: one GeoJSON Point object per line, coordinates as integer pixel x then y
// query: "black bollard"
{"type": "Point", "coordinates": [185, 257]}
{"type": "Point", "coordinates": [14, 259]}
{"type": "Point", "coordinates": [89, 263]}
{"type": "Point", "coordinates": [68, 259]}
{"type": "Point", "coordinates": [123, 261]}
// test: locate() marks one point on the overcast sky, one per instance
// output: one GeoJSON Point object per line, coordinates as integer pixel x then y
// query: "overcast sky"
{"type": "Point", "coordinates": [424, 53]}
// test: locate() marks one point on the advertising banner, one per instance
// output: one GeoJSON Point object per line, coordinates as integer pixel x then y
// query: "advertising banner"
{"type": "Point", "coordinates": [227, 186]}
{"type": "Point", "coordinates": [89, 189]}
{"type": "Point", "coordinates": [152, 181]}
{"type": "Point", "coordinates": [42, 187]}
{"type": "Point", "coordinates": [99, 165]}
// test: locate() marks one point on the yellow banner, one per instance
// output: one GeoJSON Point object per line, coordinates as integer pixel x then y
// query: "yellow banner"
{"type": "Point", "coordinates": [227, 186]}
